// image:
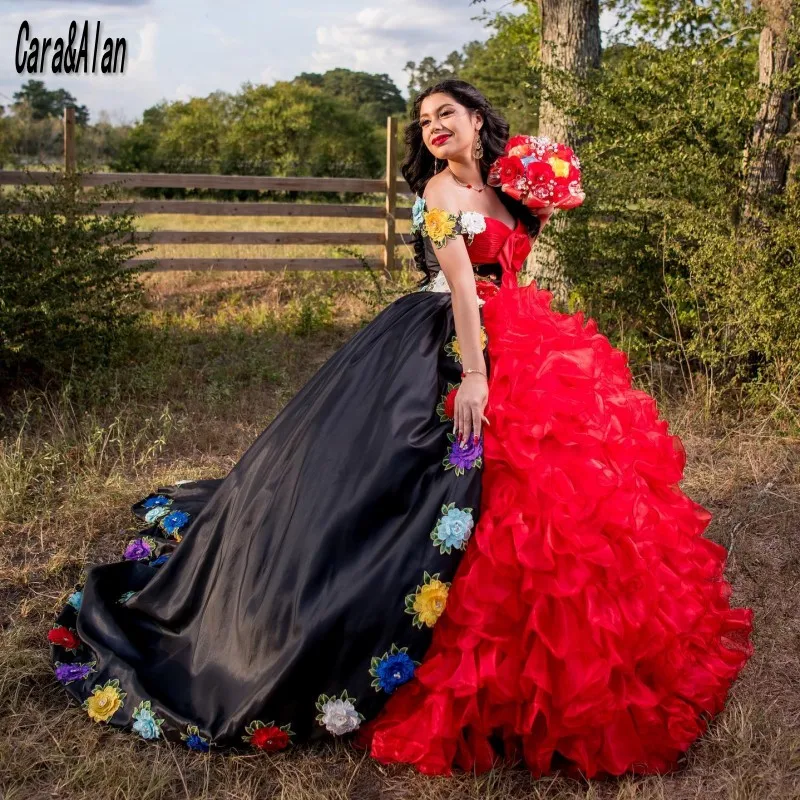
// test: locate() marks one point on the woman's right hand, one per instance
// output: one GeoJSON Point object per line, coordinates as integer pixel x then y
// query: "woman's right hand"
{"type": "Point", "coordinates": [470, 401]}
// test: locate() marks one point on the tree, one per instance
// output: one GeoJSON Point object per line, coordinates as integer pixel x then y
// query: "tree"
{"type": "Point", "coordinates": [767, 156]}
{"type": "Point", "coordinates": [375, 96]}
{"type": "Point", "coordinates": [570, 50]}
{"type": "Point", "coordinates": [46, 103]}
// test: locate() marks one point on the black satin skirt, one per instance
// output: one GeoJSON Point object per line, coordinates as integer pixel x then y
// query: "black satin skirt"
{"type": "Point", "coordinates": [302, 588]}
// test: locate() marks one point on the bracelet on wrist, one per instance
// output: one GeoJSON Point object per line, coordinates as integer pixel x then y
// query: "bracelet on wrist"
{"type": "Point", "coordinates": [467, 371]}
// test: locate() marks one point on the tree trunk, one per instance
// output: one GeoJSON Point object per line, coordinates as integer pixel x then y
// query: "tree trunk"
{"type": "Point", "coordinates": [570, 48]}
{"type": "Point", "coordinates": [767, 157]}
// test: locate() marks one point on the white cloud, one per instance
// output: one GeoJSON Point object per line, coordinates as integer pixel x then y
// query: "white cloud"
{"type": "Point", "coordinates": [383, 38]}
{"type": "Point", "coordinates": [268, 75]}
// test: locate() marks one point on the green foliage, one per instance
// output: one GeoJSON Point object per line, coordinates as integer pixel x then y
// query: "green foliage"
{"type": "Point", "coordinates": [375, 96]}
{"type": "Point", "coordinates": [45, 103]}
{"type": "Point", "coordinates": [66, 296]}
{"type": "Point", "coordinates": [289, 128]}
{"type": "Point", "coordinates": [657, 252]}
{"type": "Point", "coordinates": [504, 67]}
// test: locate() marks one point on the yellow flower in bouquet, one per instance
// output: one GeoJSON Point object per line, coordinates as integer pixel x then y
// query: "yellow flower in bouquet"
{"type": "Point", "coordinates": [560, 167]}
{"type": "Point", "coordinates": [538, 172]}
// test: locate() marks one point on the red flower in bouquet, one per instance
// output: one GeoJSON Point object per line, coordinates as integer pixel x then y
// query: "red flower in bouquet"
{"type": "Point", "coordinates": [538, 172]}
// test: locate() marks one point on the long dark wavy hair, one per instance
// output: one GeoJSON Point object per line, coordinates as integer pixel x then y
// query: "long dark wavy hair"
{"type": "Point", "coordinates": [418, 165]}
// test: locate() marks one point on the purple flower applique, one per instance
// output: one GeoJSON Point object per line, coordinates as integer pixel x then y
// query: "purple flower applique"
{"type": "Point", "coordinates": [140, 549]}
{"type": "Point", "coordinates": [463, 458]}
{"type": "Point", "coordinates": [66, 673]}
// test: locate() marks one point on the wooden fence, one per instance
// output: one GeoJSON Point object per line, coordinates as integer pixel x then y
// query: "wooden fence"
{"type": "Point", "coordinates": [389, 212]}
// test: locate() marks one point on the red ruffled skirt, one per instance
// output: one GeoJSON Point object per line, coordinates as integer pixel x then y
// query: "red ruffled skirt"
{"type": "Point", "coordinates": [588, 624]}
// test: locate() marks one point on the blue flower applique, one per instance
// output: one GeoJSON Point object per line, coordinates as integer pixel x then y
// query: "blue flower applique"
{"type": "Point", "coordinates": [146, 724]}
{"type": "Point", "coordinates": [162, 559]}
{"type": "Point", "coordinates": [125, 596]}
{"type": "Point", "coordinates": [155, 514]}
{"type": "Point", "coordinates": [172, 523]}
{"type": "Point", "coordinates": [394, 668]}
{"type": "Point", "coordinates": [193, 739]}
{"type": "Point", "coordinates": [417, 212]}
{"type": "Point", "coordinates": [75, 600]}
{"type": "Point", "coordinates": [157, 500]}
{"type": "Point", "coordinates": [453, 528]}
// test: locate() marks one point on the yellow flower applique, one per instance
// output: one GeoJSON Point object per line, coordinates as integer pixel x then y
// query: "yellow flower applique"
{"type": "Point", "coordinates": [453, 349]}
{"type": "Point", "coordinates": [104, 701]}
{"type": "Point", "coordinates": [440, 225]}
{"type": "Point", "coordinates": [428, 602]}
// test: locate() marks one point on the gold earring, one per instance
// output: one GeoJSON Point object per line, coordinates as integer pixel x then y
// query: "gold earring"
{"type": "Point", "coordinates": [477, 147]}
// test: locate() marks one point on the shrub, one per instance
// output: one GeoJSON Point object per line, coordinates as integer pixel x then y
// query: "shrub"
{"type": "Point", "coordinates": [66, 296]}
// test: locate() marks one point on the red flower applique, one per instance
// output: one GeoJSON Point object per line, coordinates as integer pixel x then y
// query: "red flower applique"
{"type": "Point", "coordinates": [486, 289]}
{"type": "Point", "coordinates": [446, 407]}
{"type": "Point", "coordinates": [269, 738]}
{"type": "Point", "coordinates": [64, 637]}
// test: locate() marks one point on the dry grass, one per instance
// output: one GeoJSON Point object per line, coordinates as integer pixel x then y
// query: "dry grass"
{"type": "Point", "coordinates": [222, 353]}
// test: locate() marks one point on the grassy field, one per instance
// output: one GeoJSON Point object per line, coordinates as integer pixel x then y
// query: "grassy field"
{"type": "Point", "coordinates": [219, 355]}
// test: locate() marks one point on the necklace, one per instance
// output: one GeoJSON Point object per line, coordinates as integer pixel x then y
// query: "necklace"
{"type": "Point", "coordinates": [465, 185]}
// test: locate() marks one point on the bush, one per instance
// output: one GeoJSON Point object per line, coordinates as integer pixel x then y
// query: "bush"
{"type": "Point", "coordinates": [66, 296]}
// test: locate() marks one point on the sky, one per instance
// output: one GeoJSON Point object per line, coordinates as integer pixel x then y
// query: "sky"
{"type": "Point", "coordinates": [179, 49]}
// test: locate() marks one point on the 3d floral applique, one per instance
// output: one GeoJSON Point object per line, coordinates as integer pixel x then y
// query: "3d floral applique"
{"type": "Point", "coordinates": [428, 602]}
{"type": "Point", "coordinates": [193, 739]}
{"type": "Point", "coordinates": [338, 714]}
{"type": "Point", "coordinates": [75, 600]}
{"type": "Point", "coordinates": [440, 225]}
{"type": "Point", "coordinates": [67, 673]}
{"type": "Point", "coordinates": [146, 724]}
{"type": "Point", "coordinates": [453, 528]}
{"type": "Point", "coordinates": [161, 560]}
{"type": "Point", "coordinates": [453, 348]}
{"type": "Point", "coordinates": [155, 514]}
{"type": "Point", "coordinates": [268, 736]}
{"type": "Point", "coordinates": [157, 500]}
{"type": "Point", "coordinates": [104, 701]}
{"type": "Point", "coordinates": [417, 214]}
{"type": "Point", "coordinates": [140, 549]}
{"type": "Point", "coordinates": [446, 406]}
{"type": "Point", "coordinates": [463, 458]}
{"type": "Point", "coordinates": [394, 668]}
{"type": "Point", "coordinates": [472, 223]}
{"type": "Point", "coordinates": [172, 523]}
{"type": "Point", "coordinates": [64, 637]}
{"type": "Point", "coordinates": [125, 596]}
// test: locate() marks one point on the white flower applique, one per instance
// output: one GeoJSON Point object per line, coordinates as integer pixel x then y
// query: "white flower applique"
{"type": "Point", "coordinates": [472, 223]}
{"type": "Point", "coordinates": [338, 714]}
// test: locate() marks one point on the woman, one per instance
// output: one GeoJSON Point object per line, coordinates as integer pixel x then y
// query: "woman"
{"type": "Point", "coordinates": [462, 540]}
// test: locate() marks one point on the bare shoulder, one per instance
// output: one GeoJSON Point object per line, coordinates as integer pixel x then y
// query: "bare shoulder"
{"type": "Point", "coordinates": [440, 193]}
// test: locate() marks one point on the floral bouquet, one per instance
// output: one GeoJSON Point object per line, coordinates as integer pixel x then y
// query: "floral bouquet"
{"type": "Point", "coordinates": [539, 173]}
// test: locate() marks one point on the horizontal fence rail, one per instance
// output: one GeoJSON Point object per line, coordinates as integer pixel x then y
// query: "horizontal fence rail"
{"type": "Point", "coordinates": [390, 187]}
{"type": "Point", "coordinates": [172, 180]}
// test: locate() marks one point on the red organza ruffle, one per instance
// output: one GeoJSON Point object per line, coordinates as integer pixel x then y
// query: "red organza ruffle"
{"type": "Point", "coordinates": [588, 620]}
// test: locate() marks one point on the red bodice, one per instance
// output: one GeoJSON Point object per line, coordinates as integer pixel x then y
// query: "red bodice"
{"type": "Point", "coordinates": [501, 244]}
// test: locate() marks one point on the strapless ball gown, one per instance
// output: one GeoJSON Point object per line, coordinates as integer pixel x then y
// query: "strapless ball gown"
{"type": "Point", "coordinates": [545, 595]}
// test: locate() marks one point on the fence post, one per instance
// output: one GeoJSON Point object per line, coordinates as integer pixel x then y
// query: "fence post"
{"type": "Point", "coordinates": [391, 193]}
{"type": "Point", "coordinates": [69, 139]}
